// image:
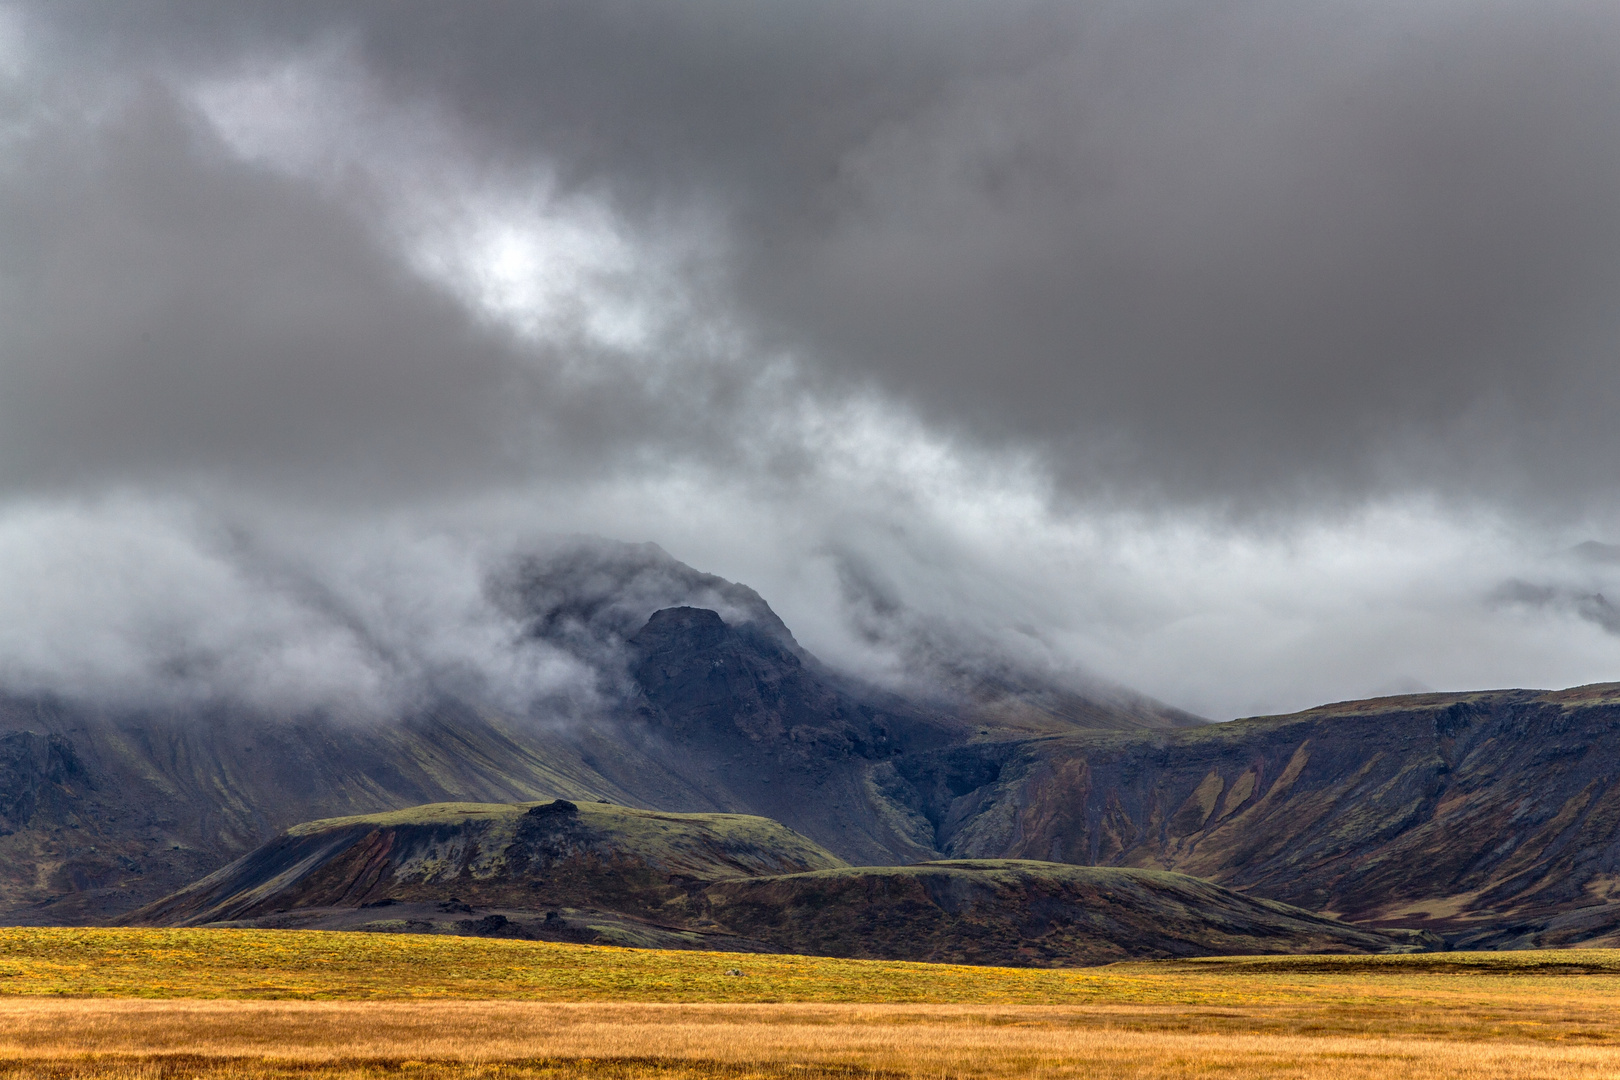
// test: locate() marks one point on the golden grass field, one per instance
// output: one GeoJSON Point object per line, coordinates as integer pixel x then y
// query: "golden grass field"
{"type": "Point", "coordinates": [95, 1004]}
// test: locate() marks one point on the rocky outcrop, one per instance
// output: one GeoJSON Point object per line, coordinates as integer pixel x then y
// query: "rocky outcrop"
{"type": "Point", "coordinates": [33, 767]}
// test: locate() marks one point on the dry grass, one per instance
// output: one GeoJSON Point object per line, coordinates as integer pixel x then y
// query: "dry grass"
{"type": "Point", "coordinates": [113, 1038]}
{"type": "Point", "coordinates": [1551, 1014]}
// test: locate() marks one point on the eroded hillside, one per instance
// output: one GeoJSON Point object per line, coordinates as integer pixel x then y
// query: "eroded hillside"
{"type": "Point", "coordinates": [1493, 817]}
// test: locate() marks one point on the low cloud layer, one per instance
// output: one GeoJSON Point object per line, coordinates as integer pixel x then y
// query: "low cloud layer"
{"type": "Point", "coordinates": [1248, 355]}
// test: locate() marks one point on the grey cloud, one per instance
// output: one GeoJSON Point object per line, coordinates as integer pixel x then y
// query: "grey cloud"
{"type": "Point", "coordinates": [166, 310]}
{"type": "Point", "coordinates": [1595, 552]}
{"type": "Point", "coordinates": [128, 602]}
{"type": "Point", "coordinates": [170, 312]}
{"type": "Point", "coordinates": [1204, 252]}
{"type": "Point", "coordinates": [1573, 587]}
{"type": "Point", "coordinates": [947, 655]}
{"type": "Point", "coordinates": [1592, 607]}
{"type": "Point", "coordinates": [1181, 260]}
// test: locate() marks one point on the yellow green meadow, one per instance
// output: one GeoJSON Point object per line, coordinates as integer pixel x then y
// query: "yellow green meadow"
{"type": "Point", "coordinates": [319, 965]}
{"type": "Point", "coordinates": [326, 965]}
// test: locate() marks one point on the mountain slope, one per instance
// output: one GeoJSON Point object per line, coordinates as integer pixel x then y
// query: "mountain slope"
{"type": "Point", "coordinates": [1491, 817]}
{"type": "Point", "coordinates": [119, 810]}
{"type": "Point", "coordinates": [1022, 912]}
{"type": "Point", "coordinates": [633, 876]}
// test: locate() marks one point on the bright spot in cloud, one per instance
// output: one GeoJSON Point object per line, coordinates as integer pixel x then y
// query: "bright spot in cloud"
{"type": "Point", "coordinates": [545, 266]}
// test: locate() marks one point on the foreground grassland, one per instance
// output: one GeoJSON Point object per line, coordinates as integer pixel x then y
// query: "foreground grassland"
{"type": "Point", "coordinates": [127, 1004]}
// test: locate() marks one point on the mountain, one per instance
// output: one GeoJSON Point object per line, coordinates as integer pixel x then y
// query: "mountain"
{"type": "Point", "coordinates": [708, 704]}
{"type": "Point", "coordinates": [568, 871]}
{"type": "Point", "coordinates": [1491, 818]}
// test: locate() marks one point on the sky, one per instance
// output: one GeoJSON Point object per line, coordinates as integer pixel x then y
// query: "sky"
{"type": "Point", "coordinates": [1251, 355]}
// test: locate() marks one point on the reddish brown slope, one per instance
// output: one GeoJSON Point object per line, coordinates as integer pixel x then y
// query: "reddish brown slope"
{"type": "Point", "coordinates": [1494, 817]}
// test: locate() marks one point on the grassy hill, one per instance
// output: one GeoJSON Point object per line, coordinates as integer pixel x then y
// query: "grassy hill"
{"type": "Point", "coordinates": [526, 857]}
{"type": "Point", "coordinates": [595, 872]}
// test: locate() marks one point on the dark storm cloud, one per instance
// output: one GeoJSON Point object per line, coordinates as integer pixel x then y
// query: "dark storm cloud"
{"type": "Point", "coordinates": [169, 310]}
{"type": "Point", "coordinates": [1214, 247]}
{"type": "Point", "coordinates": [1209, 249]}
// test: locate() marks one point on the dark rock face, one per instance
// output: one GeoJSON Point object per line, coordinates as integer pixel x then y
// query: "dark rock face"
{"type": "Point", "coordinates": [765, 724]}
{"type": "Point", "coordinates": [710, 682]}
{"type": "Point", "coordinates": [32, 767]}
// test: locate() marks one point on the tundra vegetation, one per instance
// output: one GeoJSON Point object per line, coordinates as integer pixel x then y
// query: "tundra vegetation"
{"type": "Point", "coordinates": [127, 1003]}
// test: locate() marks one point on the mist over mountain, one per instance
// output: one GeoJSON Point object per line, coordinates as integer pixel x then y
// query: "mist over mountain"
{"type": "Point", "coordinates": [606, 683]}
